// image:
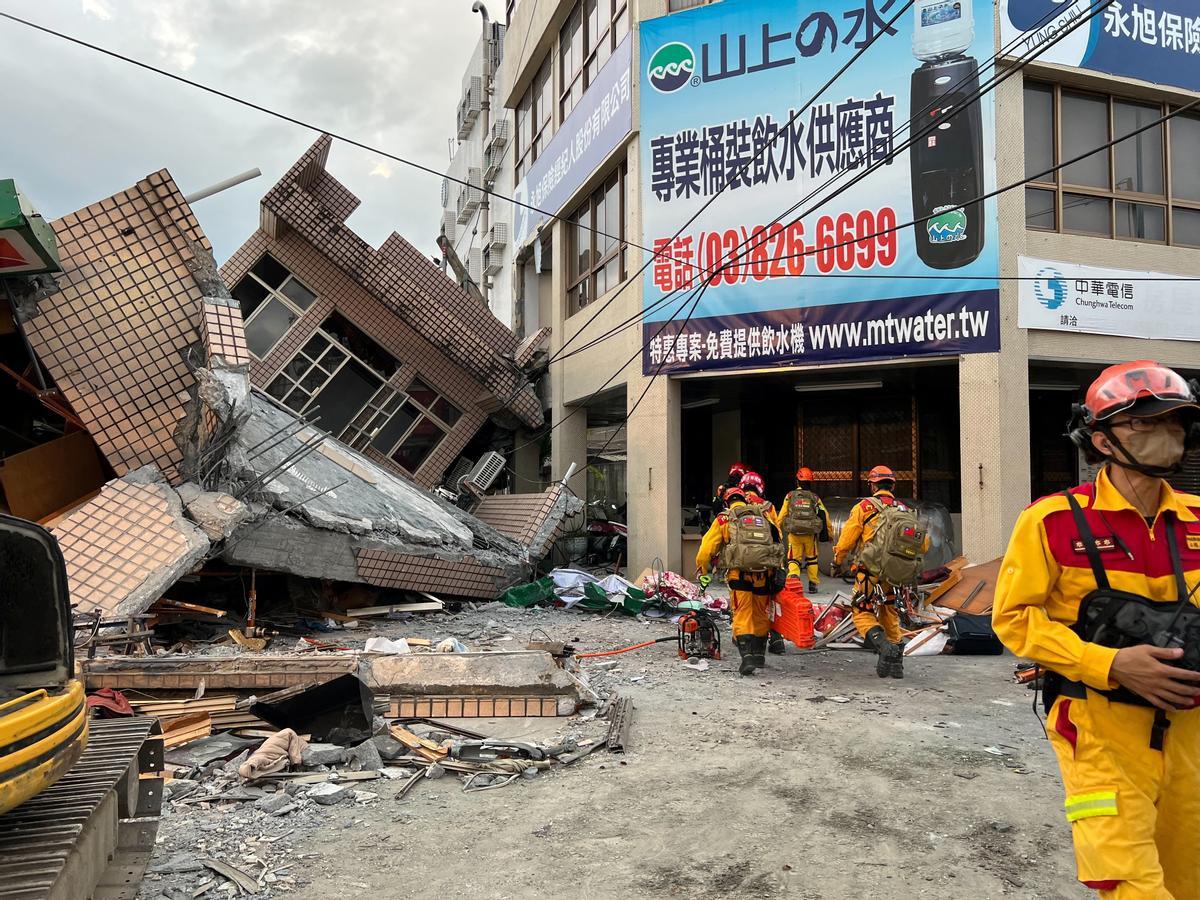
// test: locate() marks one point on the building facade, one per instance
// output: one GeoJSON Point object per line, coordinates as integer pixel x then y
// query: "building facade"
{"type": "Point", "coordinates": [1073, 261]}
{"type": "Point", "coordinates": [478, 224]}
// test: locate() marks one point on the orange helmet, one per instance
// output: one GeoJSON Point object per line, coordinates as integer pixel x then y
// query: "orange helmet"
{"type": "Point", "coordinates": [733, 495]}
{"type": "Point", "coordinates": [880, 473]}
{"type": "Point", "coordinates": [804, 473]}
{"type": "Point", "coordinates": [1153, 389]}
{"type": "Point", "coordinates": [752, 481]}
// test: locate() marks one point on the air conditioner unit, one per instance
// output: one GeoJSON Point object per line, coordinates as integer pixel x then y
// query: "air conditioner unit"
{"type": "Point", "coordinates": [495, 46]}
{"type": "Point", "coordinates": [470, 106]}
{"type": "Point", "coordinates": [500, 134]}
{"type": "Point", "coordinates": [493, 159]}
{"type": "Point", "coordinates": [450, 223]}
{"type": "Point", "coordinates": [475, 264]}
{"type": "Point", "coordinates": [462, 213]}
{"type": "Point", "coordinates": [485, 473]}
{"type": "Point", "coordinates": [498, 236]}
{"type": "Point", "coordinates": [493, 260]}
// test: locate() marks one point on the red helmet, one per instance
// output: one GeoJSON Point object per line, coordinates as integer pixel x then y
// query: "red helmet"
{"type": "Point", "coordinates": [1142, 387]}
{"type": "Point", "coordinates": [737, 470]}
{"type": "Point", "coordinates": [804, 473]}
{"type": "Point", "coordinates": [880, 473]}
{"type": "Point", "coordinates": [752, 481]}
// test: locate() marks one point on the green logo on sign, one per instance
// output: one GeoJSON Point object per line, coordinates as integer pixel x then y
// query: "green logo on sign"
{"type": "Point", "coordinates": [949, 225]}
{"type": "Point", "coordinates": [671, 67]}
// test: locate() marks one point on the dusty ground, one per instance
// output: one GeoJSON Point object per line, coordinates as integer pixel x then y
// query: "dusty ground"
{"type": "Point", "coordinates": [940, 785]}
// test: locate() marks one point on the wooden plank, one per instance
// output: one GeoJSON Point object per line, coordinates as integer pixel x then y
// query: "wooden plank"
{"type": "Point", "coordinates": [186, 729]}
{"type": "Point", "coordinates": [419, 606]}
{"type": "Point", "coordinates": [975, 592]}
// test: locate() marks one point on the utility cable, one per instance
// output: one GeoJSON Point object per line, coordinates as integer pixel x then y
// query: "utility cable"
{"type": "Point", "coordinates": [748, 246]}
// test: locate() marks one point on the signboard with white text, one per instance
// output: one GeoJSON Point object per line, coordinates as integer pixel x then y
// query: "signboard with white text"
{"type": "Point", "coordinates": [1154, 40]}
{"type": "Point", "coordinates": [1059, 296]}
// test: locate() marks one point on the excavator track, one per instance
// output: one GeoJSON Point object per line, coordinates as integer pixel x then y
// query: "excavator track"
{"type": "Point", "coordinates": [90, 835]}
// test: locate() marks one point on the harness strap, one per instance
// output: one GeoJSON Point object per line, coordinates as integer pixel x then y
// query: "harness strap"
{"type": "Point", "coordinates": [1089, 541]}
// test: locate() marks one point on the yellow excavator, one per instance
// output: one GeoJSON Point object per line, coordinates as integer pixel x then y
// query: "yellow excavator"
{"type": "Point", "coordinates": [79, 798]}
{"type": "Point", "coordinates": [43, 713]}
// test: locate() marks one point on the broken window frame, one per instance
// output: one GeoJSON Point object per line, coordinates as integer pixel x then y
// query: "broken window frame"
{"type": "Point", "coordinates": [373, 418]}
{"type": "Point", "coordinates": [274, 295]}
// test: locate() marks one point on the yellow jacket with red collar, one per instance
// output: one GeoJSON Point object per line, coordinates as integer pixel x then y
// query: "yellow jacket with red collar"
{"type": "Point", "coordinates": [861, 524]}
{"type": "Point", "coordinates": [1045, 573]}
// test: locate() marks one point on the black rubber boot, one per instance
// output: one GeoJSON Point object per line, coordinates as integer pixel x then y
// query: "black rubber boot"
{"type": "Point", "coordinates": [775, 643]}
{"type": "Point", "coordinates": [759, 647]}
{"type": "Point", "coordinates": [745, 647]}
{"type": "Point", "coordinates": [891, 660]}
{"type": "Point", "coordinates": [813, 587]}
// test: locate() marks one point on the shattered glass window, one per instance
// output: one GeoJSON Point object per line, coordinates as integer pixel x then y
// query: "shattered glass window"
{"type": "Point", "coordinates": [419, 444]}
{"type": "Point", "coordinates": [268, 325]}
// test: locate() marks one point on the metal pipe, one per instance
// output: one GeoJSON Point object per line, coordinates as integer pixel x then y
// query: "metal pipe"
{"type": "Point", "coordinates": [225, 185]}
{"type": "Point", "coordinates": [16, 317]}
{"type": "Point", "coordinates": [570, 471]}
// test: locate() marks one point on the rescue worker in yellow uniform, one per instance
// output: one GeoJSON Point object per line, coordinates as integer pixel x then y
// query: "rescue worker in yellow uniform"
{"type": "Point", "coordinates": [876, 619]}
{"type": "Point", "coordinates": [755, 490]}
{"type": "Point", "coordinates": [1121, 709]}
{"type": "Point", "coordinates": [749, 592]}
{"type": "Point", "coordinates": [802, 548]}
{"type": "Point", "coordinates": [734, 479]}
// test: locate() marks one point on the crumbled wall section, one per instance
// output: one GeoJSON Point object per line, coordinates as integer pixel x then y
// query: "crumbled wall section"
{"type": "Point", "coordinates": [114, 336]}
{"type": "Point", "coordinates": [403, 571]}
{"type": "Point", "coordinates": [127, 545]}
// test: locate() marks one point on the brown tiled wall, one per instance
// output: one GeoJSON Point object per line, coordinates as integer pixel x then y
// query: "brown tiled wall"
{"type": "Point", "coordinates": [224, 334]}
{"type": "Point", "coordinates": [115, 541]}
{"type": "Point", "coordinates": [520, 516]}
{"type": "Point", "coordinates": [115, 334]}
{"type": "Point", "coordinates": [402, 571]}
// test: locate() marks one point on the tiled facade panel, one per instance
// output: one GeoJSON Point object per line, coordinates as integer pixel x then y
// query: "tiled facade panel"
{"type": "Point", "coordinates": [402, 571]}
{"type": "Point", "coordinates": [115, 334]}
{"type": "Point", "coordinates": [115, 541]}
{"type": "Point", "coordinates": [520, 516]}
{"type": "Point", "coordinates": [224, 334]}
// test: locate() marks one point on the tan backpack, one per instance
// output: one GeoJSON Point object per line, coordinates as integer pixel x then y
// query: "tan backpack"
{"type": "Point", "coordinates": [804, 513]}
{"type": "Point", "coordinates": [752, 546]}
{"type": "Point", "coordinates": [895, 552]}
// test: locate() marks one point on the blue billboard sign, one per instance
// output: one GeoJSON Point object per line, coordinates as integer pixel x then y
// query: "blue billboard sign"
{"type": "Point", "coordinates": [593, 130]}
{"type": "Point", "coordinates": [1154, 40]}
{"type": "Point", "coordinates": [795, 276]}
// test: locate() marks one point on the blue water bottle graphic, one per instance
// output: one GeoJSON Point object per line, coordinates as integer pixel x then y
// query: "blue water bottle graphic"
{"type": "Point", "coordinates": [947, 161]}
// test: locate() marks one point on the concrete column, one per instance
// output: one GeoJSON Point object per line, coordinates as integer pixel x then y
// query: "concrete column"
{"type": "Point", "coordinates": [654, 475]}
{"type": "Point", "coordinates": [527, 463]}
{"type": "Point", "coordinates": [994, 435]}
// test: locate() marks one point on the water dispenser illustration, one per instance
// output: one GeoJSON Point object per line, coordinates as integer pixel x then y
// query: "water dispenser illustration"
{"type": "Point", "coordinates": [947, 161]}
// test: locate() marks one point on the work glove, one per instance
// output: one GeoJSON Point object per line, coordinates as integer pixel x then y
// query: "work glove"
{"type": "Point", "coordinates": [705, 581]}
{"type": "Point", "coordinates": [835, 570]}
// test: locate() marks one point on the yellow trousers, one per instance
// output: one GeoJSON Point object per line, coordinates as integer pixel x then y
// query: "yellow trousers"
{"type": "Point", "coordinates": [751, 609]}
{"type": "Point", "coordinates": [868, 613]}
{"type": "Point", "coordinates": [803, 549]}
{"type": "Point", "coordinates": [1134, 811]}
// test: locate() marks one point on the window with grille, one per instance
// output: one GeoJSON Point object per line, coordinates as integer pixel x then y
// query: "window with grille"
{"type": "Point", "coordinates": [598, 248]}
{"type": "Point", "coordinates": [272, 299]}
{"type": "Point", "coordinates": [1144, 188]}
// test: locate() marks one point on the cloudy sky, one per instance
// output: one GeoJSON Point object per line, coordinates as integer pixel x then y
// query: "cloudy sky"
{"type": "Point", "coordinates": [80, 126]}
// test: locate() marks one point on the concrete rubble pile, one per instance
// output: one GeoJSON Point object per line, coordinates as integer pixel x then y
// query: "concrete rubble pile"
{"type": "Point", "coordinates": [210, 470]}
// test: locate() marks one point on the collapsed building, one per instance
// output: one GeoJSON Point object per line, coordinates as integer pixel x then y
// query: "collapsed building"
{"type": "Point", "coordinates": [294, 425]}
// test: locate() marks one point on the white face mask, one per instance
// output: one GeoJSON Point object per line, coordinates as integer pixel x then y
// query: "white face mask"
{"type": "Point", "coordinates": [1162, 447]}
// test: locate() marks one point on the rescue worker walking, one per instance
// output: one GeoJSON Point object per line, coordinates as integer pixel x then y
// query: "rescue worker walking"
{"type": "Point", "coordinates": [755, 490]}
{"type": "Point", "coordinates": [1095, 587]}
{"type": "Point", "coordinates": [734, 479]}
{"type": "Point", "coordinates": [751, 552]}
{"type": "Point", "coordinates": [805, 520]}
{"type": "Point", "coordinates": [870, 525]}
